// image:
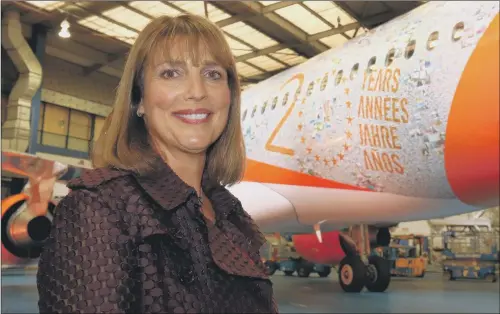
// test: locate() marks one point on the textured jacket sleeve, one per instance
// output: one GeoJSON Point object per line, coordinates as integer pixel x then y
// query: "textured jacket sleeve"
{"type": "Point", "coordinates": [87, 264]}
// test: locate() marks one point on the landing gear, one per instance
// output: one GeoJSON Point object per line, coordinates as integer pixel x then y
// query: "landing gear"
{"type": "Point", "coordinates": [358, 270]}
{"type": "Point", "coordinates": [378, 274]}
{"type": "Point", "coordinates": [352, 274]}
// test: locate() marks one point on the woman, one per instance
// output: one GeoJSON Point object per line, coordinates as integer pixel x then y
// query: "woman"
{"type": "Point", "coordinates": [152, 228]}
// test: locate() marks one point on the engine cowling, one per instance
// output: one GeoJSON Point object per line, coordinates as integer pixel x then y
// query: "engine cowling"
{"type": "Point", "coordinates": [23, 232]}
{"type": "Point", "coordinates": [335, 244]}
{"type": "Point", "coordinates": [329, 251]}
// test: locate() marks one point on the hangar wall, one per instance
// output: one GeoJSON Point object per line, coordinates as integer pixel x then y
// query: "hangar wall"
{"type": "Point", "coordinates": [72, 109]}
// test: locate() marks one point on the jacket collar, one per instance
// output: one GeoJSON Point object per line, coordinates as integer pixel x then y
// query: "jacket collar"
{"type": "Point", "coordinates": [163, 185]}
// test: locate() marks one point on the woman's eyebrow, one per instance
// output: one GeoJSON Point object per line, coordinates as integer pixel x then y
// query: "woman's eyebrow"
{"type": "Point", "coordinates": [183, 63]}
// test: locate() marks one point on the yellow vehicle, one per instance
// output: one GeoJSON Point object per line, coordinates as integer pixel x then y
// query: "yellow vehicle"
{"type": "Point", "coordinates": [406, 260]}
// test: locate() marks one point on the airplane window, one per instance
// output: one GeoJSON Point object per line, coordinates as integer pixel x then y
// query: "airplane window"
{"type": "Point", "coordinates": [275, 101]}
{"type": "Point", "coordinates": [310, 88]}
{"type": "Point", "coordinates": [263, 107]}
{"type": "Point", "coordinates": [410, 49]}
{"type": "Point", "coordinates": [354, 71]}
{"type": "Point", "coordinates": [285, 99]}
{"type": "Point", "coordinates": [432, 41]}
{"type": "Point", "coordinates": [338, 79]}
{"type": "Point", "coordinates": [244, 114]}
{"type": "Point", "coordinates": [390, 57]}
{"type": "Point", "coordinates": [297, 93]}
{"type": "Point", "coordinates": [458, 31]}
{"type": "Point", "coordinates": [324, 82]}
{"type": "Point", "coordinates": [253, 111]}
{"type": "Point", "coordinates": [371, 64]}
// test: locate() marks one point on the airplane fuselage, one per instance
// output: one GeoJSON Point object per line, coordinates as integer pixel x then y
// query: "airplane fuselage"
{"type": "Point", "coordinates": [395, 125]}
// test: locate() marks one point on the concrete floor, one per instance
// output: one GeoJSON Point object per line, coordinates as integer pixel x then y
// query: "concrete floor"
{"type": "Point", "coordinates": [431, 294]}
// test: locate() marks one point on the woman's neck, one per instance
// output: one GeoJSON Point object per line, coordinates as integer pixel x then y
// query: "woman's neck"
{"type": "Point", "coordinates": [189, 167]}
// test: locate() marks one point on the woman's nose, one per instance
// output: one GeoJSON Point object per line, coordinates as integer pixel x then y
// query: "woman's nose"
{"type": "Point", "coordinates": [196, 89]}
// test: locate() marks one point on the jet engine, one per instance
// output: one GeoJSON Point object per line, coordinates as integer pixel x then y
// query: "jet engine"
{"type": "Point", "coordinates": [336, 245]}
{"type": "Point", "coordinates": [23, 231]}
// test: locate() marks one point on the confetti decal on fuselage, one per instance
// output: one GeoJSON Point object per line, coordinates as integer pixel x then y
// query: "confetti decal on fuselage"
{"type": "Point", "coordinates": [375, 116]}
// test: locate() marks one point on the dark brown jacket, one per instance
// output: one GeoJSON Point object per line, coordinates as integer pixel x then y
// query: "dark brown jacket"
{"type": "Point", "coordinates": [128, 243]}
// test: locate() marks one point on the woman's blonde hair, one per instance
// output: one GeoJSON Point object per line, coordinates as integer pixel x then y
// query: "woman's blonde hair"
{"type": "Point", "coordinates": [124, 142]}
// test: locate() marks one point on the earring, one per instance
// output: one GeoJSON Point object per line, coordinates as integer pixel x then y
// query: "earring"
{"type": "Point", "coordinates": [139, 114]}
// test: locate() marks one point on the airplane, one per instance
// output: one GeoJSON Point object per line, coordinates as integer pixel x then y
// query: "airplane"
{"type": "Point", "coordinates": [398, 124]}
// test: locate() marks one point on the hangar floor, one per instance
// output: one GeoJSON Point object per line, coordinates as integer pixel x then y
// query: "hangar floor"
{"type": "Point", "coordinates": [431, 294]}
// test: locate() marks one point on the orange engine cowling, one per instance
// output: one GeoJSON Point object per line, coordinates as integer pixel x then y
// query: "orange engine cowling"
{"type": "Point", "coordinates": [23, 232]}
{"type": "Point", "coordinates": [328, 252]}
{"type": "Point", "coordinates": [335, 244]}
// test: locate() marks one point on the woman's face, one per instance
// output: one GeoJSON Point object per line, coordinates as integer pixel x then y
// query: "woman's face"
{"type": "Point", "coordinates": [185, 105]}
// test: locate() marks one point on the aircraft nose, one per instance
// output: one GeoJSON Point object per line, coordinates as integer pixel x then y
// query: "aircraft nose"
{"type": "Point", "coordinates": [472, 135]}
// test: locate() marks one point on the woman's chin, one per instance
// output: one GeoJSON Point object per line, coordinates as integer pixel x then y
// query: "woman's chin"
{"type": "Point", "coordinates": [195, 148]}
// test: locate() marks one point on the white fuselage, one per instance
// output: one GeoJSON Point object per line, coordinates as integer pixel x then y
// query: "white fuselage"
{"type": "Point", "coordinates": [370, 114]}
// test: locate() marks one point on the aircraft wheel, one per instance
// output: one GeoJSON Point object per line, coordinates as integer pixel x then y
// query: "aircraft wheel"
{"type": "Point", "coordinates": [378, 274]}
{"type": "Point", "coordinates": [448, 275]}
{"type": "Point", "coordinates": [271, 267]}
{"type": "Point", "coordinates": [352, 273]}
{"type": "Point", "coordinates": [303, 271]}
{"type": "Point", "coordinates": [325, 273]}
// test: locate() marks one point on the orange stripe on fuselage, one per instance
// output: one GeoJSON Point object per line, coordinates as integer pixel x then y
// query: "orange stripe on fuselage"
{"type": "Point", "coordinates": [257, 171]}
{"type": "Point", "coordinates": [472, 135]}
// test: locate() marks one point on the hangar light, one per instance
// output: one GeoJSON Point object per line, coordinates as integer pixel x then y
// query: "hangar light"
{"type": "Point", "coordinates": [64, 32]}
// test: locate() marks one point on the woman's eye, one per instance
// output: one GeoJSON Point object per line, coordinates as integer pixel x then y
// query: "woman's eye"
{"type": "Point", "coordinates": [169, 73]}
{"type": "Point", "coordinates": [214, 74]}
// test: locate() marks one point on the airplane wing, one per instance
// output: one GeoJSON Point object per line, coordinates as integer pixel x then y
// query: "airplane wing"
{"type": "Point", "coordinates": [19, 165]}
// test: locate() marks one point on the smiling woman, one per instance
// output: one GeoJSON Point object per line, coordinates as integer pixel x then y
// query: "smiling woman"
{"type": "Point", "coordinates": [174, 54]}
{"type": "Point", "coordinates": [152, 228]}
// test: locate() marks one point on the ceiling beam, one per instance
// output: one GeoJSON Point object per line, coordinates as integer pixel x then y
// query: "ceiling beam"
{"type": "Point", "coordinates": [73, 9]}
{"type": "Point", "coordinates": [77, 44]}
{"type": "Point", "coordinates": [231, 20]}
{"type": "Point", "coordinates": [273, 25]}
{"type": "Point", "coordinates": [53, 20]}
{"type": "Point", "coordinates": [339, 30]}
{"type": "Point", "coordinates": [260, 77]}
{"type": "Point", "coordinates": [296, 45]}
{"type": "Point", "coordinates": [248, 11]}
{"type": "Point", "coordinates": [267, 9]}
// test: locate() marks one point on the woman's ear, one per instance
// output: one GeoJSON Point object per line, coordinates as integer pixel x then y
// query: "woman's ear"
{"type": "Point", "coordinates": [140, 110]}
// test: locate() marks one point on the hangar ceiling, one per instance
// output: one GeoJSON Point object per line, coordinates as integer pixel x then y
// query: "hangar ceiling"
{"type": "Point", "coordinates": [266, 37]}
